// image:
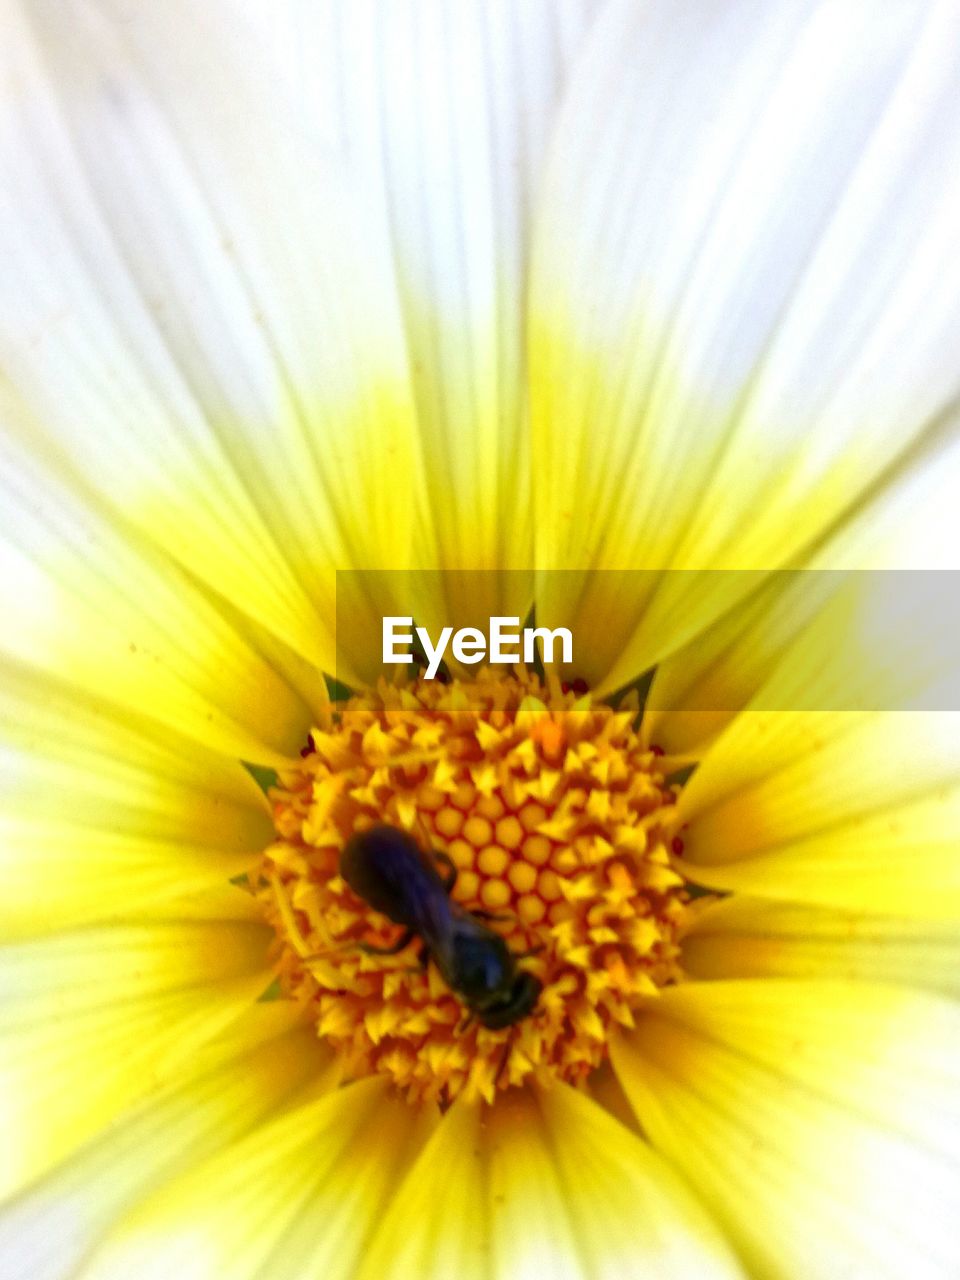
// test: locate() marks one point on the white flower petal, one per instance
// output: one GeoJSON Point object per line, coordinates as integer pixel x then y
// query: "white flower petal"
{"type": "Point", "coordinates": [819, 1120]}
{"type": "Point", "coordinates": [205, 327]}
{"type": "Point", "coordinates": [745, 297]}
{"type": "Point", "coordinates": [443, 112]}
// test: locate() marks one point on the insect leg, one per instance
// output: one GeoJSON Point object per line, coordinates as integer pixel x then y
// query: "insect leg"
{"type": "Point", "coordinates": [465, 1021]}
{"type": "Point", "coordinates": [404, 940]}
{"type": "Point", "coordinates": [451, 866]}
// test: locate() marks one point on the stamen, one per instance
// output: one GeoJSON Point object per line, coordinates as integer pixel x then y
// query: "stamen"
{"type": "Point", "coordinates": [559, 823]}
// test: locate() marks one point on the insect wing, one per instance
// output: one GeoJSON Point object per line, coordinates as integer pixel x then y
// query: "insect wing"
{"type": "Point", "coordinates": [387, 868]}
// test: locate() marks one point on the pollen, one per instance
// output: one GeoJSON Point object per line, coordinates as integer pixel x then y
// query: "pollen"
{"type": "Point", "coordinates": [558, 823]}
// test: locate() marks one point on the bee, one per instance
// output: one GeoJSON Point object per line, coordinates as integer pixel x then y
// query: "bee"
{"type": "Point", "coordinates": [391, 873]}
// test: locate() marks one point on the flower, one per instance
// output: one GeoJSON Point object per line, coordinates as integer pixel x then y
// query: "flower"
{"type": "Point", "coordinates": [627, 310]}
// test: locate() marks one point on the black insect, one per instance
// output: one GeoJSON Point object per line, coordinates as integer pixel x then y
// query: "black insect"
{"type": "Point", "coordinates": [388, 869]}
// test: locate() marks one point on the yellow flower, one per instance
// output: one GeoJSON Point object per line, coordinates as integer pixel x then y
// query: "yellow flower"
{"type": "Point", "coordinates": [628, 312]}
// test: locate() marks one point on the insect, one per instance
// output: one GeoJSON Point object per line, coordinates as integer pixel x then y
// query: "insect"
{"type": "Point", "coordinates": [388, 869]}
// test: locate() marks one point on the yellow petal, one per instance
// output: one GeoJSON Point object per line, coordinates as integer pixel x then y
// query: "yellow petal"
{"type": "Point", "coordinates": [436, 1223]}
{"type": "Point", "coordinates": [95, 1019]}
{"type": "Point", "coordinates": [543, 1185]}
{"type": "Point", "coordinates": [52, 1227]}
{"type": "Point", "coordinates": [818, 1120]}
{"type": "Point", "coordinates": [298, 1197]}
{"type": "Point", "coordinates": [739, 316]}
{"type": "Point", "coordinates": [849, 809]}
{"type": "Point", "coordinates": [743, 937]}
{"type": "Point", "coordinates": [86, 604]}
{"type": "Point", "coordinates": [57, 875]}
{"type": "Point", "coordinates": [106, 818]}
{"type": "Point", "coordinates": [62, 751]}
{"type": "Point", "coordinates": [814, 640]}
{"type": "Point", "coordinates": [630, 1212]}
{"type": "Point", "coordinates": [844, 624]}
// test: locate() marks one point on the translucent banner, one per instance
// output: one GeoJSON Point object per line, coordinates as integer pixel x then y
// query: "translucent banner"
{"type": "Point", "coordinates": [709, 641]}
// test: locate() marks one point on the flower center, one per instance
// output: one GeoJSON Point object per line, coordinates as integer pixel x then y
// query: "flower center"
{"type": "Point", "coordinates": [558, 823]}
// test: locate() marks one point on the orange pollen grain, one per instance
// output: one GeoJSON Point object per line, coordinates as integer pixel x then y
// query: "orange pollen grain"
{"type": "Point", "coordinates": [557, 821]}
